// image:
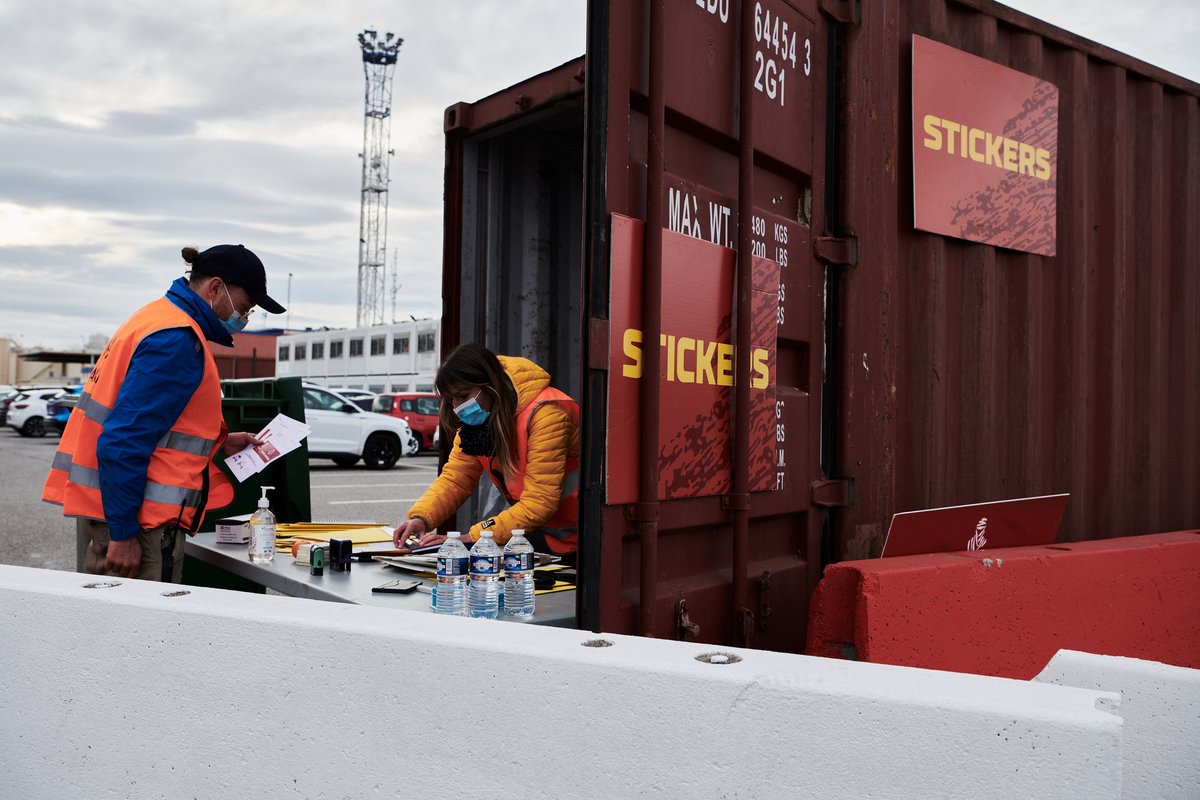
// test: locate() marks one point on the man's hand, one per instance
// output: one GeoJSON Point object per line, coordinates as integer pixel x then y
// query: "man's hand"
{"type": "Point", "coordinates": [238, 441]}
{"type": "Point", "coordinates": [124, 558]}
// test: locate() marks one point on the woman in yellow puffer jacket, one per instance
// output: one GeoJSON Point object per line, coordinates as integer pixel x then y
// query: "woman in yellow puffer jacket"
{"type": "Point", "coordinates": [510, 424]}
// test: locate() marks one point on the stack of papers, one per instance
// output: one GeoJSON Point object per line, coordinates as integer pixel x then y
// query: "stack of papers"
{"type": "Point", "coordinates": [281, 436]}
{"type": "Point", "coordinates": [364, 537]}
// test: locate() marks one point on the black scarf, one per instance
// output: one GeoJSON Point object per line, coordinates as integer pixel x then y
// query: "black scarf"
{"type": "Point", "coordinates": [476, 440]}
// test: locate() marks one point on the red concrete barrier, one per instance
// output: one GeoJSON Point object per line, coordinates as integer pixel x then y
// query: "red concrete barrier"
{"type": "Point", "coordinates": [1006, 612]}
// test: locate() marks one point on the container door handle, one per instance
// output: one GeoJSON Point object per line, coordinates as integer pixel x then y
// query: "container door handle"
{"type": "Point", "coordinates": [685, 629]}
{"type": "Point", "coordinates": [764, 599]}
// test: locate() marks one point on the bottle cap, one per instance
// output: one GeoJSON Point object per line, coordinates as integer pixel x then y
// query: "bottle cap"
{"type": "Point", "coordinates": [262, 501]}
{"type": "Point", "coordinates": [453, 534]}
{"type": "Point", "coordinates": [486, 533]}
{"type": "Point", "coordinates": [518, 531]}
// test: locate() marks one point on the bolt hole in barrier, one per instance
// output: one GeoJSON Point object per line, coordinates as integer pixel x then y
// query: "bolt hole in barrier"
{"type": "Point", "coordinates": [719, 658]}
{"type": "Point", "coordinates": [101, 585]}
{"type": "Point", "coordinates": [179, 593]}
{"type": "Point", "coordinates": [597, 643]}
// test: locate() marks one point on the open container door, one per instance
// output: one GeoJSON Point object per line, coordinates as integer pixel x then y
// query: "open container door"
{"type": "Point", "coordinates": [704, 499]}
{"type": "Point", "coordinates": [512, 256]}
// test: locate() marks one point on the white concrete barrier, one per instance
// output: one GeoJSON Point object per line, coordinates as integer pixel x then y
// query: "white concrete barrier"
{"type": "Point", "coordinates": [1161, 707]}
{"type": "Point", "coordinates": [126, 692]}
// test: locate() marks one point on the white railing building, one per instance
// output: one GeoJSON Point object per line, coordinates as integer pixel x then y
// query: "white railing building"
{"type": "Point", "coordinates": [400, 357]}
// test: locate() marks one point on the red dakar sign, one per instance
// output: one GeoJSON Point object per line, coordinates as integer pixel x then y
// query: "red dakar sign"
{"type": "Point", "coordinates": [985, 150]}
{"type": "Point", "coordinates": [697, 367]}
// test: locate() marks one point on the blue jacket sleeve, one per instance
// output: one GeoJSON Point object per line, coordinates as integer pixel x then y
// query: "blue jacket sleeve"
{"type": "Point", "coordinates": [164, 373]}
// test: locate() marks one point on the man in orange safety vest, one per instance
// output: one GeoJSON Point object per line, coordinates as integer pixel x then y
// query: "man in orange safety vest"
{"type": "Point", "coordinates": [135, 465]}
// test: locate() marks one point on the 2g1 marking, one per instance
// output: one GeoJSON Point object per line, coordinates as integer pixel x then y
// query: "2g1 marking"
{"type": "Point", "coordinates": [778, 41]}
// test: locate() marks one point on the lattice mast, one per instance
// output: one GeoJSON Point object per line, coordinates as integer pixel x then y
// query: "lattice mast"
{"type": "Point", "coordinates": [379, 61]}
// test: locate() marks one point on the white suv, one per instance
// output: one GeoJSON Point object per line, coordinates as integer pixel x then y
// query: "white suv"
{"type": "Point", "coordinates": [345, 433]}
{"type": "Point", "coordinates": [27, 412]}
{"type": "Point", "coordinates": [360, 397]}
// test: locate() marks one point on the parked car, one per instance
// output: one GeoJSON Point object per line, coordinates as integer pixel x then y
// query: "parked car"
{"type": "Point", "coordinates": [360, 397]}
{"type": "Point", "coordinates": [58, 409]}
{"type": "Point", "coordinates": [6, 398]}
{"type": "Point", "coordinates": [418, 409]}
{"type": "Point", "coordinates": [27, 413]}
{"type": "Point", "coordinates": [343, 432]}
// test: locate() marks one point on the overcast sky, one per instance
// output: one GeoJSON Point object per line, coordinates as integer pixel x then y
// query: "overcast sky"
{"type": "Point", "coordinates": [129, 131]}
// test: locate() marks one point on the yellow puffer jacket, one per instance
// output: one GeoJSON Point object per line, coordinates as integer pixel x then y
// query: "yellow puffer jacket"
{"type": "Point", "coordinates": [553, 437]}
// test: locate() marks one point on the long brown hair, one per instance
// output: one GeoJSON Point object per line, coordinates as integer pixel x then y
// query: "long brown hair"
{"type": "Point", "coordinates": [474, 365]}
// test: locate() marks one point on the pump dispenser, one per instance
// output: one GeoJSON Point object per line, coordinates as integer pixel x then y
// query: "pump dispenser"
{"type": "Point", "coordinates": [262, 532]}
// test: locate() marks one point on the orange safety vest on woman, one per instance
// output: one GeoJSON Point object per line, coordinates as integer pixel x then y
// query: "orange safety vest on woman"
{"type": "Point", "coordinates": [561, 529]}
{"type": "Point", "coordinates": [181, 478]}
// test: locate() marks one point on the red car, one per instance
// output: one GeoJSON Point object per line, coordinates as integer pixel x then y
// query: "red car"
{"type": "Point", "coordinates": [418, 409]}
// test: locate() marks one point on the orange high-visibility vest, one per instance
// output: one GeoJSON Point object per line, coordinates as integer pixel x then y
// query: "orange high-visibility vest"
{"type": "Point", "coordinates": [181, 479]}
{"type": "Point", "coordinates": [561, 529]}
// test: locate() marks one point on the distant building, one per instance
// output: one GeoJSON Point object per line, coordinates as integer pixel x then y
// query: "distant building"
{"type": "Point", "coordinates": [401, 357]}
{"type": "Point", "coordinates": [39, 367]}
{"type": "Point", "coordinates": [8, 363]}
{"type": "Point", "coordinates": [252, 355]}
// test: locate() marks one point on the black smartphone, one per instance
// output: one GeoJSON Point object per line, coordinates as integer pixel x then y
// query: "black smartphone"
{"type": "Point", "coordinates": [398, 586]}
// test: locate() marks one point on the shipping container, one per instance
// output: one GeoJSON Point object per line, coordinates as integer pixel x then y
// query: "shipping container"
{"type": "Point", "coordinates": [894, 255]}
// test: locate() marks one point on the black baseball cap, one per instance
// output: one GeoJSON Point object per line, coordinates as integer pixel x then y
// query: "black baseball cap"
{"type": "Point", "coordinates": [235, 264]}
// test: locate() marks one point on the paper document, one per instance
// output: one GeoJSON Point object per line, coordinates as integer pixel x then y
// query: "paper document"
{"type": "Point", "coordinates": [357, 536]}
{"type": "Point", "coordinates": [281, 436]}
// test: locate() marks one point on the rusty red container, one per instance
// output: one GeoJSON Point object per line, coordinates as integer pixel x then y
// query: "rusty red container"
{"type": "Point", "coordinates": [828, 355]}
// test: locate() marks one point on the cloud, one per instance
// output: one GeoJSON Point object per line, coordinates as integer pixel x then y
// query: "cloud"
{"type": "Point", "coordinates": [131, 132]}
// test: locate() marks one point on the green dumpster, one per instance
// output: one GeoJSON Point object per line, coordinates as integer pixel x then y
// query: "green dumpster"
{"type": "Point", "coordinates": [249, 405]}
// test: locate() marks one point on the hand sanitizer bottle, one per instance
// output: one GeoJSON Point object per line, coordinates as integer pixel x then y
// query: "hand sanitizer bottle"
{"type": "Point", "coordinates": [262, 532]}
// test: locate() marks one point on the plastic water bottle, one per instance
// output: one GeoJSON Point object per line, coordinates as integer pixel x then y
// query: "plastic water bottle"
{"type": "Point", "coordinates": [483, 593]}
{"type": "Point", "coordinates": [518, 576]}
{"type": "Point", "coordinates": [262, 532]}
{"type": "Point", "coordinates": [451, 591]}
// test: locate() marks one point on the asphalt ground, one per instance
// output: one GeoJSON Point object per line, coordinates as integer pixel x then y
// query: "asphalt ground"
{"type": "Point", "coordinates": [36, 534]}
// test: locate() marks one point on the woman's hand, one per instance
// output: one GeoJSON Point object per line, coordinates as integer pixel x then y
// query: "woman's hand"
{"type": "Point", "coordinates": [413, 528]}
{"type": "Point", "coordinates": [430, 539]}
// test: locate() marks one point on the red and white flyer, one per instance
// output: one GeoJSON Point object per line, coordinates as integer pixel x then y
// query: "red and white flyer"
{"type": "Point", "coordinates": [281, 436]}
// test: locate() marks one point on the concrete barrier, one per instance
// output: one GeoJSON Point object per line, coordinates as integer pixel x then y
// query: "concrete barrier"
{"type": "Point", "coordinates": [126, 691]}
{"type": "Point", "coordinates": [1007, 612]}
{"type": "Point", "coordinates": [1161, 708]}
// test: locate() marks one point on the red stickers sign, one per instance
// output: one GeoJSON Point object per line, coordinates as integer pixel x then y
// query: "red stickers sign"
{"type": "Point", "coordinates": [697, 367]}
{"type": "Point", "coordinates": [985, 150]}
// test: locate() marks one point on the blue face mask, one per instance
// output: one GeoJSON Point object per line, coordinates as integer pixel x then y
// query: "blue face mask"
{"type": "Point", "coordinates": [235, 322]}
{"type": "Point", "coordinates": [471, 413]}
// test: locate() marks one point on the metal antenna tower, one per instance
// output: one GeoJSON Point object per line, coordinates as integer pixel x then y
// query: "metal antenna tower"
{"type": "Point", "coordinates": [395, 282]}
{"type": "Point", "coordinates": [379, 60]}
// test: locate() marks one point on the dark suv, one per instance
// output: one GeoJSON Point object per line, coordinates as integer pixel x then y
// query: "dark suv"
{"type": "Point", "coordinates": [5, 400]}
{"type": "Point", "coordinates": [58, 409]}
